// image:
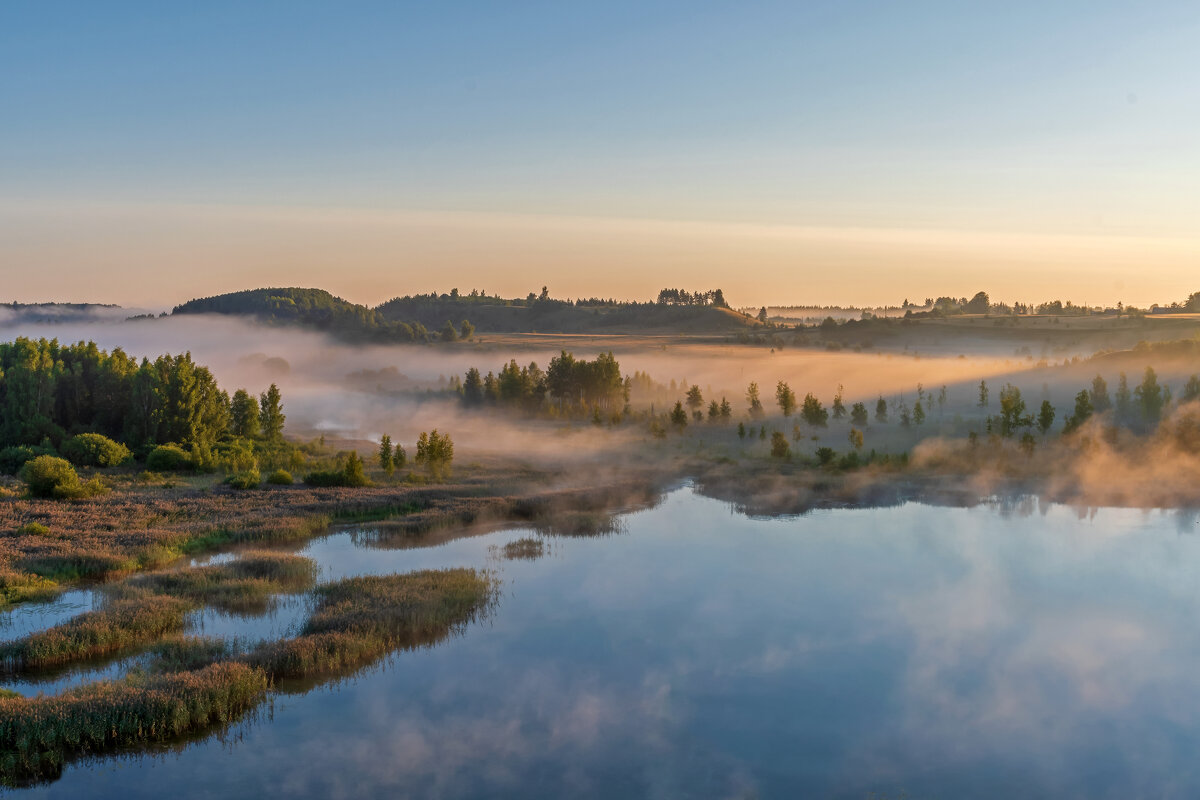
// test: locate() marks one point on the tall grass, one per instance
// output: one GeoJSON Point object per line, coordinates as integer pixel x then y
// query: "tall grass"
{"type": "Point", "coordinates": [360, 619]}
{"type": "Point", "coordinates": [125, 623]}
{"type": "Point", "coordinates": [40, 734]}
{"type": "Point", "coordinates": [245, 585]}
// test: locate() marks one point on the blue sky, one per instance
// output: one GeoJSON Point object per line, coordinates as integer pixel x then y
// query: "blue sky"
{"type": "Point", "coordinates": [1037, 120]}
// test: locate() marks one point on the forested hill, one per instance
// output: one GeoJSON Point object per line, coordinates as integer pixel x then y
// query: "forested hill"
{"type": "Point", "coordinates": [57, 312]}
{"type": "Point", "coordinates": [547, 315]}
{"type": "Point", "coordinates": [315, 309]}
{"type": "Point", "coordinates": [451, 316]}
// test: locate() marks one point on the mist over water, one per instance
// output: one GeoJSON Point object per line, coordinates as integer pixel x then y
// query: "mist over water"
{"type": "Point", "coordinates": [1011, 648]}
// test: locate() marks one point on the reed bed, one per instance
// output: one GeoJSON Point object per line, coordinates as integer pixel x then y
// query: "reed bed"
{"type": "Point", "coordinates": [185, 653]}
{"type": "Point", "coordinates": [244, 585]}
{"type": "Point", "coordinates": [360, 619]}
{"type": "Point", "coordinates": [123, 624]}
{"type": "Point", "coordinates": [524, 549]}
{"type": "Point", "coordinates": [40, 734]}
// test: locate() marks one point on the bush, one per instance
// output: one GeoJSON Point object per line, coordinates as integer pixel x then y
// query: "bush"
{"type": "Point", "coordinates": [94, 450]}
{"type": "Point", "coordinates": [49, 476]}
{"type": "Point", "coordinates": [246, 479]}
{"type": "Point", "coordinates": [280, 477]}
{"type": "Point", "coordinates": [33, 529]}
{"type": "Point", "coordinates": [351, 474]}
{"type": "Point", "coordinates": [13, 458]}
{"type": "Point", "coordinates": [168, 458]}
{"type": "Point", "coordinates": [825, 455]}
{"type": "Point", "coordinates": [326, 477]}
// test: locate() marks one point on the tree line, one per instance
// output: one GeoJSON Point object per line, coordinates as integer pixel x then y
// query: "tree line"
{"type": "Point", "coordinates": [567, 384]}
{"type": "Point", "coordinates": [50, 391]}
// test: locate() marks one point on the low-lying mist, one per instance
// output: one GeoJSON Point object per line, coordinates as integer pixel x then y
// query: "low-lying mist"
{"type": "Point", "coordinates": [351, 393]}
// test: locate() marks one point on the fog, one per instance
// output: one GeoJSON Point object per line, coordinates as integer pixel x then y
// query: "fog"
{"type": "Point", "coordinates": [354, 393]}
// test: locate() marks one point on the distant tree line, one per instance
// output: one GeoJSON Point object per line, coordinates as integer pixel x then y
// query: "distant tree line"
{"type": "Point", "coordinates": [322, 311]}
{"type": "Point", "coordinates": [682, 297]}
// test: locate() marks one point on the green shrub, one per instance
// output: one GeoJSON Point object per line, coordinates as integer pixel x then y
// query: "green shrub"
{"type": "Point", "coordinates": [351, 474]}
{"type": "Point", "coordinates": [280, 477]}
{"type": "Point", "coordinates": [49, 476]}
{"type": "Point", "coordinates": [825, 455]}
{"type": "Point", "coordinates": [94, 450]}
{"type": "Point", "coordinates": [246, 479]}
{"type": "Point", "coordinates": [33, 529]}
{"type": "Point", "coordinates": [168, 458]}
{"type": "Point", "coordinates": [13, 458]}
{"type": "Point", "coordinates": [326, 477]}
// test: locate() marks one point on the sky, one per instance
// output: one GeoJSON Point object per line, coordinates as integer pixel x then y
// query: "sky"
{"type": "Point", "coordinates": [789, 152]}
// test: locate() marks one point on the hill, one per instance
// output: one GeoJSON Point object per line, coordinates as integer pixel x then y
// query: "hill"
{"type": "Point", "coordinates": [547, 315]}
{"type": "Point", "coordinates": [18, 313]}
{"type": "Point", "coordinates": [410, 319]}
{"type": "Point", "coordinates": [315, 309]}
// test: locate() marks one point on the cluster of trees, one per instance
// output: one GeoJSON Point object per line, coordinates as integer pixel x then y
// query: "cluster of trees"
{"type": "Point", "coordinates": [682, 297]}
{"type": "Point", "coordinates": [50, 393]}
{"type": "Point", "coordinates": [320, 310]}
{"type": "Point", "coordinates": [435, 451]}
{"type": "Point", "coordinates": [569, 383]}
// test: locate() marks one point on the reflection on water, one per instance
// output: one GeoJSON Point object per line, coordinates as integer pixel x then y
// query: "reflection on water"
{"type": "Point", "coordinates": [27, 618]}
{"type": "Point", "coordinates": [993, 651]}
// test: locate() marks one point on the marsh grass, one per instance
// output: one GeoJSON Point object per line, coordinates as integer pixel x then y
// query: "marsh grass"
{"type": "Point", "coordinates": [185, 653]}
{"type": "Point", "coordinates": [124, 624]}
{"type": "Point", "coordinates": [193, 683]}
{"type": "Point", "coordinates": [524, 549]}
{"type": "Point", "coordinates": [18, 587]}
{"type": "Point", "coordinates": [40, 734]}
{"type": "Point", "coordinates": [358, 620]}
{"type": "Point", "coordinates": [245, 585]}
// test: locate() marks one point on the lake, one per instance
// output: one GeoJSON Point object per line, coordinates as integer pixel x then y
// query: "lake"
{"type": "Point", "coordinates": [1008, 649]}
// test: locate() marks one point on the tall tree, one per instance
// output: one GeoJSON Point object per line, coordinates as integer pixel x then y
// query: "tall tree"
{"type": "Point", "coordinates": [1099, 395]}
{"type": "Point", "coordinates": [243, 415]}
{"type": "Point", "coordinates": [839, 408]}
{"type": "Point", "coordinates": [786, 398]}
{"type": "Point", "coordinates": [387, 460]}
{"type": "Point", "coordinates": [270, 414]}
{"type": "Point", "coordinates": [755, 403]}
{"type": "Point", "coordinates": [1045, 417]}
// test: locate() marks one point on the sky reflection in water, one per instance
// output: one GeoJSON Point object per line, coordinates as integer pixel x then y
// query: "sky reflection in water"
{"type": "Point", "coordinates": [939, 651]}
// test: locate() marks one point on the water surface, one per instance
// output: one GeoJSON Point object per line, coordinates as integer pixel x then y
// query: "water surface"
{"type": "Point", "coordinates": [997, 651]}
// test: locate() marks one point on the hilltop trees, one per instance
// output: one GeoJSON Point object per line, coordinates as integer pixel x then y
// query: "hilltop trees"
{"type": "Point", "coordinates": [682, 297]}
{"type": "Point", "coordinates": [858, 415]}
